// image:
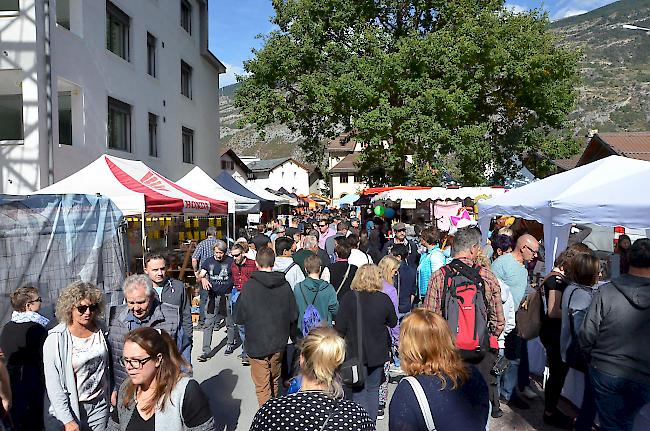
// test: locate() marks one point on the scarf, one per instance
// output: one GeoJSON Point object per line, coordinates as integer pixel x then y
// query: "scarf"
{"type": "Point", "coordinates": [29, 316]}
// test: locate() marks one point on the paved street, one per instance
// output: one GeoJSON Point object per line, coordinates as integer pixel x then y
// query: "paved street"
{"type": "Point", "coordinates": [232, 395]}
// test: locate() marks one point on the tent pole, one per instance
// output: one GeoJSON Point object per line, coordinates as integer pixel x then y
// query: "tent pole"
{"type": "Point", "coordinates": [144, 237]}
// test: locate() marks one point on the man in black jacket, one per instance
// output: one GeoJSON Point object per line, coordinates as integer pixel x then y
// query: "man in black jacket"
{"type": "Point", "coordinates": [268, 310]}
{"type": "Point", "coordinates": [171, 291]}
{"type": "Point", "coordinates": [399, 237]}
{"type": "Point", "coordinates": [614, 336]}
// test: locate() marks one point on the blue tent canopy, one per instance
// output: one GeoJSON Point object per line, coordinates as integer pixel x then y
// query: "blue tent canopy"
{"type": "Point", "coordinates": [232, 185]}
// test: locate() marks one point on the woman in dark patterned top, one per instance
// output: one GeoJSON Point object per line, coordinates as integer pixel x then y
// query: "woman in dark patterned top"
{"type": "Point", "coordinates": [319, 404]}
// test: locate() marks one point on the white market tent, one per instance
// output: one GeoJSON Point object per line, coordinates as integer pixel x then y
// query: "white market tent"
{"type": "Point", "coordinates": [135, 189]}
{"type": "Point", "coordinates": [609, 192]}
{"type": "Point", "coordinates": [198, 180]}
{"type": "Point", "coordinates": [438, 193]}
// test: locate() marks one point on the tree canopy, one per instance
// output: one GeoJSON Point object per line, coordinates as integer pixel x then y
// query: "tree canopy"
{"type": "Point", "coordinates": [462, 82]}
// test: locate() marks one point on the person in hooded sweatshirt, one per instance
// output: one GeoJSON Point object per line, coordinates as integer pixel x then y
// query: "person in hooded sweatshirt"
{"type": "Point", "coordinates": [268, 310]}
{"type": "Point", "coordinates": [317, 292]}
{"type": "Point", "coordinates": [614, 338]}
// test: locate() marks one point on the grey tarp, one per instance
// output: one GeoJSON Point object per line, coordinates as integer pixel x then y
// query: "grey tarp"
{"type": "Point", "coordinates": [49, 241]}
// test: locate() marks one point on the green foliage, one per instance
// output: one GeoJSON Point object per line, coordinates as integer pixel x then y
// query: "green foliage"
{"type": "Point", "coordinates": [463, 79]}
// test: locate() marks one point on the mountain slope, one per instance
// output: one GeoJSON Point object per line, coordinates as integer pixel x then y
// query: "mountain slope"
{"type": "Point", "coordinates": [614, 96]}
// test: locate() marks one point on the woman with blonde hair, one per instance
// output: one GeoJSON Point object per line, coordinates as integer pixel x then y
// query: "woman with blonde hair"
{"type": "Point", "coordinates": [441, 389]}
{"type": "Point", "coordinates": [76, 361]}
{"type": "Point", "coordinates": [321, 354]}
{"type": "Point", "coordinates": [157, 395]}
{"type": "Point", "coordinates": [377, 312]}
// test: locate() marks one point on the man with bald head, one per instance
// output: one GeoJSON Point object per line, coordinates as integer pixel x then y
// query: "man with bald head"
{"type": "Point", "coordinates": [511, 269]}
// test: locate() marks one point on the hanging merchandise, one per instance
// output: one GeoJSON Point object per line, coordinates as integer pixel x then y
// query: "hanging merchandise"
{"type": "Point", "coordinates": [379, 210]}
{"type": "Point", "coordinates": [389, 213]}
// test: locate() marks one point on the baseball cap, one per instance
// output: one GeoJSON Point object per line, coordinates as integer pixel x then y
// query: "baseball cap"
{"type": "Point", "coordinates": [399, 226]}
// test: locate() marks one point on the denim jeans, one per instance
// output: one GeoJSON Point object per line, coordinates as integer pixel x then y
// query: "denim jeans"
{"type": "Point", "coordinates": [240, 328]}
{"type": "Point", "coordinates": [368, 396]}
{"type": "Point", "coordinates": [618, 400]}
{"type": "Point", "coordinates": [514, 350]}
{"type": "Point", "coordinates": [211, 320]}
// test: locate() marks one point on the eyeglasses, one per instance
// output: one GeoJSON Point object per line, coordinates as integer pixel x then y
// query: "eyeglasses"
{"type": "Point", "coordinates": [39, 299]}
{"type": "Point", "coordinates": [531, 250]}
{"type": "Point", "coordinates": [134, 363]}
{"type": "Point", "coordinates": [236, 255]}
{"type": "Point", "coordinates": [322, 225]}
{"type": "Point", "coordinates": [83, 308]}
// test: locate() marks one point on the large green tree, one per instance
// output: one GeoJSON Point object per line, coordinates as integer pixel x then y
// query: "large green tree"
{"type": "Point", "coordinates": [462, 82]}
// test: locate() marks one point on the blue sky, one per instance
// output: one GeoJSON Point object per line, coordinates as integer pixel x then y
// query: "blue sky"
{"type": "Point", "coordinates": [234, 25]}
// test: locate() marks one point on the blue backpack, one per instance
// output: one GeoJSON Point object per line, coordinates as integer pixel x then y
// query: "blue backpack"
{"type": "Point", "coordinates": [311, 318]}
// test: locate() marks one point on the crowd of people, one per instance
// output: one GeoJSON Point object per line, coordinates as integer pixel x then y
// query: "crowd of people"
{"type": "Point", "coordinates": [328, 309]}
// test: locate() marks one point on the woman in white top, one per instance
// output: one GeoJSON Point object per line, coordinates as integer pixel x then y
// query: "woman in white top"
{"type": "Point", "coordinates": [357, 257]}
{"type": "Point", "coordinates": [76, 361]}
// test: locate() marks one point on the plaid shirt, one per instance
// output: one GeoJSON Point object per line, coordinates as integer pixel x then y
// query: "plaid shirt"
{"type": "Point", "coordinates": [494, 306]}
{"type": "Point", "coordinates": [204, 250]}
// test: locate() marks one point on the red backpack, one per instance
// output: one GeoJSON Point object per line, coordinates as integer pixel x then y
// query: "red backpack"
{"type": "Point", "coordinates": [463, 306]}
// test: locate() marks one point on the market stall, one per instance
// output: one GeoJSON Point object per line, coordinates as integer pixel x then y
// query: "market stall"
{"type": "Point", "coordinates": [49, 241]}
{"type": "Point", "coordinates": [143, 195]}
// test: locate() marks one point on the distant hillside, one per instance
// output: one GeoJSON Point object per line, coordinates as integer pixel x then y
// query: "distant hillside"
{"type": "Point", "coordinates": [615, 66]}
{"type": "Point", "coordinates": [615, 95]}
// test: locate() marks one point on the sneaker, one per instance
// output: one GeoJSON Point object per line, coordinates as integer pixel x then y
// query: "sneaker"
{"type": "Point", "coordinates": [230, 349]}
{"type": "Point", "coordinates": [380, 414]}
{"type": "Point", "coordinates": [517, 403]}
{"type": "Point", "coordinates": [558, 420]}
{"type": "Point", "coordinates": [202, 358]}
{"type": "Point", "coordinates": [245, 361]}
{"type": "Point", "coordinates": [528, 393]}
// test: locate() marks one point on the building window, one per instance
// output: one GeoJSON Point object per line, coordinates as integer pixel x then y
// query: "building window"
{"type": "Point", "coordinates": [151, 54]}
{"type": "Point", "coordinates": [186, 16]}
{"type": "Point", "coordinates": [186, 80]}
{"type": "Point", "coordinates": [227, 165]}
{"type": "Point", "coordinates": [11, 117]}
{"type": "Point", "coordinates": [188, 145]}
{"type": "Point", "coordinates": [117, 31]}
{"type": "Point", "coordinates": [153, 135]}
{"type": "Point", "coordinates": [119, 125]}
{"type": "Point", "coordinates": [344, 178]}
{"type": "Point", "coordinates": [65, 118]}
{"type": "Point", "coordinates": [9, 7]}
{"type": "Point", "coordinates": [224, 165]}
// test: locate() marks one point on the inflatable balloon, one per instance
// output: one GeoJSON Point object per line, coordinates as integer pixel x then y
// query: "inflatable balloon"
{"type": "Point", "coordinates": [389, 213]}
{"type": "Point", "coordinates": [379, 210]}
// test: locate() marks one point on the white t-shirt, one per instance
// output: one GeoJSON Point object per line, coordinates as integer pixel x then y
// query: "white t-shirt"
{"type": "Point", "coordinates": [358, 258]}
{"type": "Point", "coordinates": [90, 362]}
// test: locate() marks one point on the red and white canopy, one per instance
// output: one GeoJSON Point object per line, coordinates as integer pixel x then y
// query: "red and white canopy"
{"type": "Point", "coordinates": [135, 188]}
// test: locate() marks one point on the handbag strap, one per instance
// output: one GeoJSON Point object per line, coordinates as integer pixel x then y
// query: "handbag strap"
{"type": "Point", "coordinates": [345, 277]}
{"type": "Point", "coordinates": [329, 415]}
{"type": "Point", "coordinates": [359, 330]}
{"type": "Point", "coordinates": [424, 403]}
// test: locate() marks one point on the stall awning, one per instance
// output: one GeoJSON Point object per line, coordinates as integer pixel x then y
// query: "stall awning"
{"type": "Point", "coordinates": [200, 181]}
{"type": "Point", "coordinates": [135, 189]}
{"type": "Point", "coordinates": [232, 185]}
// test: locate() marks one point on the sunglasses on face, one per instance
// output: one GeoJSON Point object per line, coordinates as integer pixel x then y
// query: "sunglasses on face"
{"type": "Point", "coordinates": [531, 250]}
{"type": "Point", "coordinates": [236, 255]}
{"type": "Point", "coordinates": [322, 225]}
{"type": "Point", "coordinates": [39, 299]}
{"type": "Point", "coordinates": [83, 308]}
{"type": "Point", "coordinates": [134, 363]}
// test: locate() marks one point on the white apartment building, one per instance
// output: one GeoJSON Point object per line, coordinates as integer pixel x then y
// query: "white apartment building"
{"type": "Point", "coordinates": [293, 176]}
{"type": "Point", "coordinates": [81, 78]}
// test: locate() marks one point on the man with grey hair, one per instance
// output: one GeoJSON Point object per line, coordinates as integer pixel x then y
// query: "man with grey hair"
{"type": "Point", "coordinates": [201, 253]}
{"type": "Point", "coordinates": [142, 309]}
{"type": "Point", "coordinates": [216, 279]}
{"type": "Point", "coordinates": [462, 273]}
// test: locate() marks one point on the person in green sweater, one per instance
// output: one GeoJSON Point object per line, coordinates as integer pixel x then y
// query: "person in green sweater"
{"type": "Point", "coordinates": [315, 291]}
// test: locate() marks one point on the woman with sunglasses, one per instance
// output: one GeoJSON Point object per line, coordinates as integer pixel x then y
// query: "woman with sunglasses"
{"type": "Point", "coordinates": [22, 343]}
{"type": "Point", "coordinates": [157, 395]}
{"type": "Point", "coordinates": [76, 359]}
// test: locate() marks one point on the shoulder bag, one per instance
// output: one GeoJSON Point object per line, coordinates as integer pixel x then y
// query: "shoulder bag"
{"type": "Point", "coordinates": [345, 277]}
{"type": "Point", "coordinates": [353, 371]}
{"type": "Point", "coordinates": [423, 402]}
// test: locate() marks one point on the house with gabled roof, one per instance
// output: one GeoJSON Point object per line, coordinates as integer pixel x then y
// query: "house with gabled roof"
{"type": "Point", "coordinates": [635, 145]}
{"type": "Point", "coordinates": [286, 172]}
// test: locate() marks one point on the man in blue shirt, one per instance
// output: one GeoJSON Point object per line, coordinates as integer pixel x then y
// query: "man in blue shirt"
{"type": "Point", "coordinates": [431, 260]}
{"type": "Point", "coordinates": [511, 269]}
